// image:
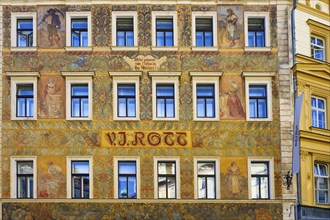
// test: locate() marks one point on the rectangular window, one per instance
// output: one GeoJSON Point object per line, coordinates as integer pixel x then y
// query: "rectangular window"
{"type": "Point", "coordinates": [204, 32]}
{"type": "Point", "coordinates": [321, 176]}
{"type": "Point", "coordinates": [318, 113]}
{"type": "Point", "coordinates": [24, 32]}
{"type": "Point", "coordinates": [125, 32]}
{"type": "Point", "coordinates": [166, 179]}
{"type": "Point", "coordinates": [260, 180]}
{"type": "Point", "coordinates": [24, 178]}
{"type": "Point", "coordinates": [24, 100]}
{"type": "Point", "coordinates": [317, 47]}
{"type": "Point", "coordinates": [127, 180]}
{"type": "Point", "coordinates": [258, 101]}
{"type": "Point", "coordinates": [164, 32]}
{"type": "Point", "coordinates": [206, 180]}
{"type": "Point", "coordinates": [79, 32]}
{"type": "Point", "coordinates": [126, 100]}
{"type": "Point", "coordinates": [205, 101]}
{"type": "Point", "coordinates": [256, 32]}
{"type": "Point", "coordinates": [79, 101]}
{"type": "Point", "coordinates": [165, 101]}
{"type": "Point", "coordinates": [80, 179]}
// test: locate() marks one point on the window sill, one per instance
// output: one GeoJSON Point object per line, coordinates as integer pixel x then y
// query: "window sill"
{"type": "Point", "coordinates": [23, 49]}
{"type": "Point", "coordinates": [135, 48]}
{"type": "Point", "coordinates": [78, 49]}
{"type": "Point", "coordinates": [78, 119]}
{"type": "Point", "coordinates": [173, 48]}
{"type": "Point", "coordinates": [126, 119]}
{"type": "Point", "coordinates": [24, 118]}
{"type": "Point", "coordinates": [257, 49]}
{"type": "Point", "coordinates": [259, 119]}
{"type": "Point", "coordinates": [165, 119]}
{"type": "Point", "coordinates": [194, 48]}
{"type": "Point", "coordinates": [207, 119]}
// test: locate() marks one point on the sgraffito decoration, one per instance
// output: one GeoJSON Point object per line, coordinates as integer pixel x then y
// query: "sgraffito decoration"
{"type": "Point", "coordinates": [101, 25]}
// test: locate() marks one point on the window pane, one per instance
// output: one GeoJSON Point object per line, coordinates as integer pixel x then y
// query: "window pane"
{"type": "Point", "coordinates": [25, 167]}
{"type": "Point", "coordinates": [170, 108]}
{"type": "Point", "coordinates": [323, 196]}
{"type": "Point", "coordinates": [22, 186]}
{"type": "Point", "coordinates": [260, 39]}
{"type": "Point", "coordinates": [256, 24]}
{"type": "Point", "coordinates": [164, 24]}
{"type": "Point", "coordinates": [75, 41]}
{"type": "Point", "coordinates": [323, 170]}
{"type": "Point", "coordinates": [251, 39]}
{"type": "Point", "coordinates": [205, 168]}
{"type": "Point", "coordinates": [80, 167]}
{"type": "Point", "coordinates": [200, 108]}
{"type": "Point", "coordinates": [22, 40]}
{"type": "Point", "coordinates": [313, 40]}
{"type": "Point", "coordinates": [131, 187]}
{"type": "Point", "coordinates": [264, 187]}
{"type": "Point", "coordinates": [120, 38]}
{"type": "Point", "coordinates": [199, 39]}
{"type": "Point", "coordinates": [79, 90]}
{"type": "Point", "coordinates": [204, 24]}
{"type": "Point", "coordinates": [29, 107]}
{"type": "Point", "coordinates": [25, 24]}
{"type": "Point", "coordinates": [122, 187]}
{"type": "Point", "coordinates": [26, 90]}
{"type": "Point", "coordinates": [160, 39]}
{"type": "Point", "coordinates": [262, 108]}
{"type": "Point", "coordinates": [210, 108]}
{"type": "Point", "coordinates": [257, 91]}
{"type": "Point", "coordinates": [165, 90]}
{"type": "Point", "coordinates": [21, 107]}
{"type": "Point", "coordinates": [255, 188]}
{"type": "Point", "coordinates": [86, 186]}
{"type": "Point", "coordinates": [122, 107]}
{"type": "Point", "coordinates": [76, 187]}
{"type": "Point", "coordinates": [127, 167]}
{"type": "Point", "coordinates": [131, 107]}
{"type": "Point", "coordinates": [84, 109]}
{"type": "Point", "coordinates": [79, 23]}
{"type": "Point", "coordinates": [160, 108]}
{"type": "Point", "coordinates": [313, 102]}
{"type": "Point", "coordinates": [84, 39]}
{"type": "Point", "coordinates": [171, 187]}
{"type": "Point", "coordinates": [30, 186]}
{"type": "Point", "coordinates": [205, 90]}
{"type": "Point", "coordinates": [162, 187]}
{"type": "Point", "coordinates": [169, 38]}
{"type": "Point", "coordinates": [201, 187]}
{"type": "Point", "coordinates": [166, 168]}
{"type": "Point", "coordinates": [319, 42]}
{"type": "Point", "coordinates": [129, 38]}
{"type": "Point", "coordinates": [320, 103]}
{"type": "Point", "coordinates": [316, 169]}
{"type": "Point", "coordinates": [210, 188]}
{"type": "Point", "coordinates": [208, 39]}
{"type": "Point", "coordinates": [125, 24]}
{"type": "Point", "coordinates": [126, 90]}
{"type": "Point", "coordinates": [75, 108]}
{"type": "Point", "coordinates": [259, 168]}
{"type": "Point", "coordinates": [321, 119]}
{"type": "Point", "coordinates": [323, 183]}
{"type": "Point", "coordinates": [253, 108]}
{"type": "Point", "coordinates": [314, 118]}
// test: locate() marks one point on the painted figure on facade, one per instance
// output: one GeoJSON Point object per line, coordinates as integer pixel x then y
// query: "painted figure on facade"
{"type": "Point", "coordinates": [233, 101]}
{"type": "Point", "coordinates": [53, 24]}
{"type": "Point", "coordinates": [232, 30]}
{"type": "Point", "coordinates": [232, 175]}
{"type": "Point", "coordinates": [51, 182]}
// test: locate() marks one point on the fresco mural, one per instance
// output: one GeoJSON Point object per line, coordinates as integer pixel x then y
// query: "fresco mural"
{"type": "Point", "coordinates": [51, 26]}
{"type": "Point", "coordinates": [230, 21]}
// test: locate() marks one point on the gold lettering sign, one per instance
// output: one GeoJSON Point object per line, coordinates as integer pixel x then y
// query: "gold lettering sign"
{"type": "Point", "coordinates": [146, 139]}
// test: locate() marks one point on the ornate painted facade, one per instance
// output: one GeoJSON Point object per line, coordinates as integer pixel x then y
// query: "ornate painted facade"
{"type": "Point", "coordinates": [233, 140]}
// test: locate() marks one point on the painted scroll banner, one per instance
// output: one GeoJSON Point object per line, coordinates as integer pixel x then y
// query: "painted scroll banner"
{"type": "Point", "coordinates": [146, 139]}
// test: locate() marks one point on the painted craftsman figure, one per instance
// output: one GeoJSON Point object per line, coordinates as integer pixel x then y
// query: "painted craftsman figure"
{"type": "Point", "coordinates": [232, 30]}
{"type": "Point", "coordinates": [53, 23]}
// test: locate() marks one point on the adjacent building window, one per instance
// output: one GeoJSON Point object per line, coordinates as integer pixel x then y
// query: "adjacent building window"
{"type": "Point", "coordinates": [205, 95]}
{"type": "Point", "coordinates": [317, 48]}
{"type": "Point", "coordinates": [125, 34]}
{"type": "Point", "coordinates": [23, 30]}
{"type": "Point", "coordinates": [127, 180]}
{"type": "Point", "coordinates": [258, 101]}
{"type": "Point", "coordinates": [79, 32]}
{"type": "Point", "coordinates": [80, 179]}
{"type": "Point", "coordinates": [79, 101]}
{"type": "Point", "coordinates": [206, 181]}
{"type": "Point", "coordinates": [24, 100]}
{"type": "Point", "coordinates": [256, 32]}
{"type": "Point", "coordinates": [126, 100]}
{"type": "Point", "coordinates": [166, 179]}
{"type": "Point", "coordinates": [260, 180]}
{"type": "Point", "coordinates": [165, 101]}
{"type": "Point", "coordinates": [321, 176]}
{"type": "Point", "coordinates": [318, 112]}
{"type": "Point", "coordinates": [204, 29]}
{"type": "Point", "coordinates": [164, 29]}
{"type": "Point", "coordinates": [25, 186]}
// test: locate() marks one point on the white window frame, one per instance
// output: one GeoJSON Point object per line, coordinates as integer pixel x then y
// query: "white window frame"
{"type": "Point", "coordinates": [23, 15]}
{"type": "Point", "coordinates": [321, 110]}
{"type": "Point", "coordinates": [323, 48]}
{"type": "Point", "coordinates": [206, 14]}
{"type": "Point", "coordinates": [259, 78]}
{"type": "Point", "coordinates": [69, 159]}
{"type": "Point", "coordinates": [69, 17]}
{"type": "Point", "coordinates": [217, 175]}
{"type": "Point", "coordinates": [271, 186]}
{"type": "Point", "coordinates": [159, 78]}
{"type": "Point", "coordinates": [206, 78]}
{"type": "Point", "coordinates": [126, 78]}
{"type": "Point", "coordinates": [265, 16]}
{"type": "Point", "coordinates": [319, 176]}
{"type": "Point", "coordinates": [164, 14]}
{"type": "Point", "coordinates": [116, 172]}
{"type": "Point", "coordinates": [23, 78]}
{"type": "Point", "coordinates": [124, 14]}
{"type": "Point", "coordinates": [72, 78]}
{"type": "Point", "coordinates": [177, 175]}
{"type": "Point", "coordinates": [13, 174]}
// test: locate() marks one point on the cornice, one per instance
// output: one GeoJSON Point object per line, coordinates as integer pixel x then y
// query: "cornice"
{"type": "Point", "coordinates": [313, 11]}
{"type": "Point", "coordinates": [322, 135]}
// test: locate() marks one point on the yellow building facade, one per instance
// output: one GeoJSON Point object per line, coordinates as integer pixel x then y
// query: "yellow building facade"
{"type": "Point", "coordinates": [312, 71]}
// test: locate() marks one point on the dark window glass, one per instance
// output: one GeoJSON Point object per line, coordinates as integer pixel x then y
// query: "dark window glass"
{"type": "Point", "coordinates": [24, 33]}
{"type": "Point", "coordinates": [127, 179]}
{"type": "Point", "coordinates": [256, 29]}
{"type": "Point", "coordinates": [206, 180]}
{"type": "Point", "coordinates": [204, 32]}
{"type": "Point", "coordinates": [166, 179]}
{"type": "Point", "coordinates": [126, 100]}
{"type": "Point", "coordinates": [165, 101]}
{"type": "Point", "coordinates": [205, 101]}
{"type": "Point", "coordinates": [164, 32]}
{"type": "Point", "coordinates": [258, 101]}
{"type": "Point", "coordinates": [24, 179]}
{"type": "Point", "coordinates": [79, 100]}
{"type": "Point", "coordinates": [260, 180]}
{"type": "Point", "coordinates": [79, 32]}
{"type": "Point", "coordinates": [125, 34]}
{"type": "Point", "coordinates": [24, 100]}
{"type": "Point", "coordinates": [80, 179]}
